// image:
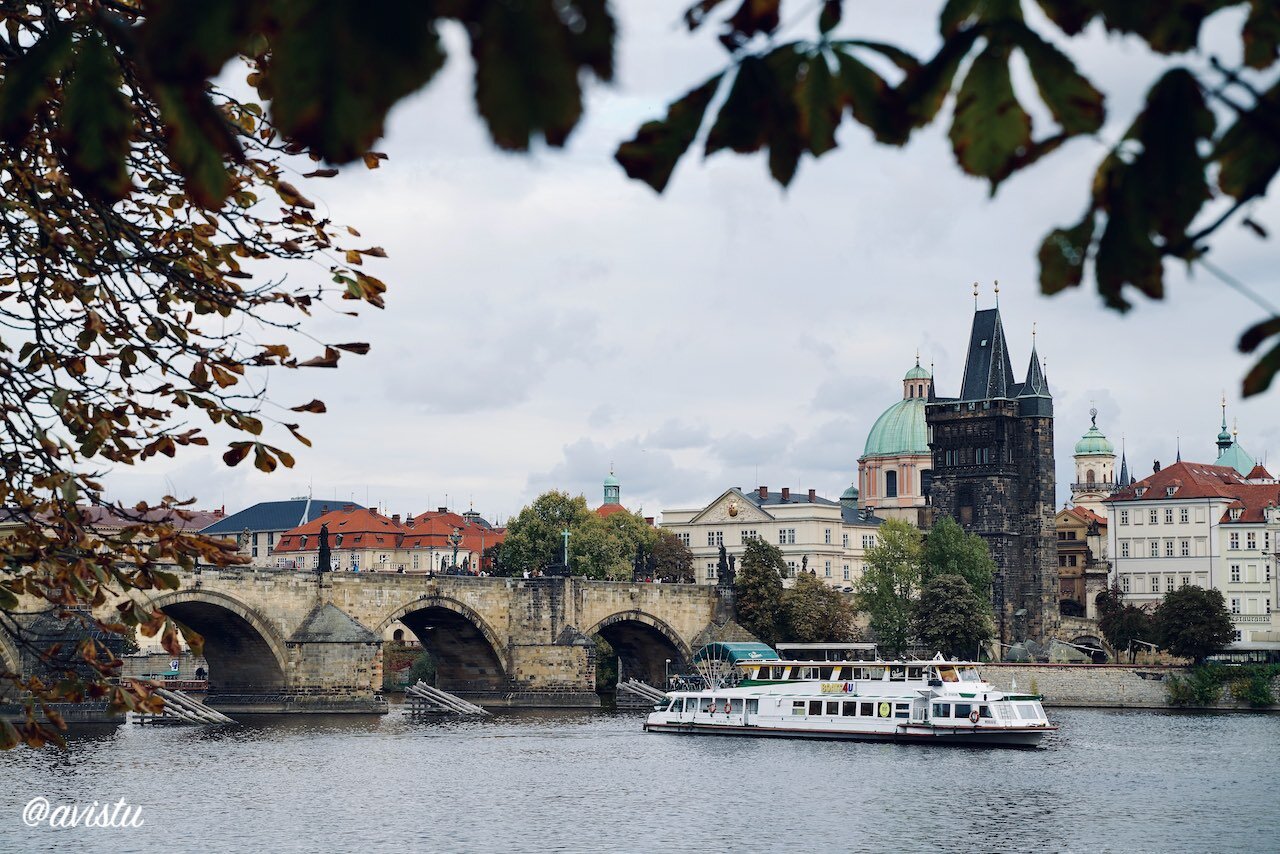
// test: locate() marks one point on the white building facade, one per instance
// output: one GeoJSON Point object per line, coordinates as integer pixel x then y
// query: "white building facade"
{"type": "Point", "coordinates": [826, 538]}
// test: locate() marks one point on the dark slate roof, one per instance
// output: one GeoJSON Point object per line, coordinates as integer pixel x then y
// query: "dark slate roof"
{"type": "Point", "coordinates": [328, 623]}
{"type": "Point", "coordinates": [987, 371]}
{"type": "Point", "coordinates": [853, 516]}
{"type": "Point", "coordinates": [774, 499]}
{"type": "Point", "coordinates": [276, 515]}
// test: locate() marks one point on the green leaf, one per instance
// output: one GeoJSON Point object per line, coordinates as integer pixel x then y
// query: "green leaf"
{"type": "Point", "coordinates": [1248, 153]}
{"type": "Point", "coordinates": [991, 130]}
{"type": "Point", "coordinates": [1071, 16]}
{"type": "Point", "coordinates": [337, 68]}
{"type": "Point", "coordinates": [868, 98]}
{"type": "Point", "coordinates": [1126, 253]}
{"type": "Point", "coordinates": [1063, 254]}
{"type": "Point", "coordinates": [829, 18]}
{"type": "Point", "coordinates": [1260, 375]}
{"type": "Point", "coordinates": [1170, 170]}
{"type": "Point", "coordinates": [923, 91]}
{"type": "Point", "coordinates": [96, 122]}
{"type": "Point", "coordinates": [198, 138]}
{"type": "Point", "coordinates": [1076, 105]}
{"type": "Point", "coordinates": [754, 17]}
{"type": "Point", "coordinates": [1261, 34]}
{"type": "Point", "coordinates": [652, 154]}
{"type": "Point", "coordinates": [820, 102]}
{"type": "Point", "coordinates": [957, 15]}
{"type": "Point", "coordinates": [761, 111]}
{"type": "Point", "coordinates": [190, 42]}
{"type": "Point", "coordinates": [28, 82]}
{"type": "Point", "coordinates": [1170, 26]}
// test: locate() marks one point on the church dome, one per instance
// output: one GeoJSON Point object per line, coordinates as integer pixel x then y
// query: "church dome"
{"type": "Point", "coordinates": [611, 480]}
{"type": "Point", "coordinates": [900, 430]}
{"type": "Point", "coordinates": [850, 494]}
{"type": "Point", "coordinates": [1093, 441]}
{"type": "Point", "coordinates": [918, 373]}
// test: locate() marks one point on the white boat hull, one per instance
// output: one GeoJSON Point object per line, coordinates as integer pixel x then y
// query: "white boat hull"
{"type": "Point", "coordinates": [908, 733]}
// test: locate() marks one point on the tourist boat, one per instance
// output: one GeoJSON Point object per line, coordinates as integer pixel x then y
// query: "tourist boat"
{"type": "Point", "coordinates": [937, 702]}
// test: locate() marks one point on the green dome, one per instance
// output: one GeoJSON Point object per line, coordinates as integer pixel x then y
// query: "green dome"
{"type": "Point", "coordinates": [611, 480]}
{"type": "Point", "coordinates": [917, 373]}
{"type": "Point", "coordinates": [1093, 442]}
{"type": "Point", "coordinates": [900, 430]}
{"type": "Point", "coordinates": [850, 494]}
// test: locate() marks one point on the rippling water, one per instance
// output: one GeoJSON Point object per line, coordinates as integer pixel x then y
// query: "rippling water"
{"type": "Point", "coordinates": [1107, 781]}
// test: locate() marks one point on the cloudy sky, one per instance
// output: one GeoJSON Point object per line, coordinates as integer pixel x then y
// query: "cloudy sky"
{"type": "Point", "coordinates": [548, 318]}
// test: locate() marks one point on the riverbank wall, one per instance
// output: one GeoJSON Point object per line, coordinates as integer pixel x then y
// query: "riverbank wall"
{"type": "Point", "coordinates": [1103, 686]}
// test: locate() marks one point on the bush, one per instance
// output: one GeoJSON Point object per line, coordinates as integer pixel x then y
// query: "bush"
{"type": "Point", "coordinates": [1203, 685]}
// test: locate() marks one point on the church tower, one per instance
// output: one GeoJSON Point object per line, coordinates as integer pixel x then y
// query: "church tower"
{"type": "Point", "coordinates": [1095, 459]}
{"type": "Point", "coordinates": [993, 473]}
{"type": "Point", "coordinates": [612, 489]}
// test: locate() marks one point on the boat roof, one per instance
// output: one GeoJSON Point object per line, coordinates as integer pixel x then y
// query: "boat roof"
{"type": "Point", "coordinates": [736, 652]}
{"type": "Point", "coordinates": [878, 662]}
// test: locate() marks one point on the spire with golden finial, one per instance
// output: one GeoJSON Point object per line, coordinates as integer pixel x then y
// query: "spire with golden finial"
{"type": "Point", "coordinates": [975, 296]}
{"type": "Point", "coordinates": [997, 293]}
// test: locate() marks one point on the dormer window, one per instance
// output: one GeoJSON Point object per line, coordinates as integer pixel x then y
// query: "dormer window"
{"type": "Point", "coordinates": [1235, 514]}
{"type": "Point", "coordinates": [337, 540]}
{"type": "Point", "coordinates": [1170, 490]}
{"type": "Point", "coordinates": [303, 544]}
{"type": "Point", "coordinates": [1140, 491]}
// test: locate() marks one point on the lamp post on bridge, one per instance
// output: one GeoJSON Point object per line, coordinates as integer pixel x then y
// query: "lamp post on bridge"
{"type": "Point", "coordinates": [565, 534]}
{"type": "Point", "coordinates": [666, 675]}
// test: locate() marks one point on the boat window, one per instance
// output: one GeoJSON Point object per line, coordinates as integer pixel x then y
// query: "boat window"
{"type": "Point", "coordinates": [948, 674]}
{"type": "Point", "coordinates": [733, 707]}
{"type": "Point", "coordinates": [915, 673]}
{"type": "Point", "coordinates": [705, 704]}
{"type": "Point", "coordinates": [753, 706]}
{"type": "Point", "coordinates": [810, 673]}
{"type": "Point", "coordinates": [675, 705]}
{"type": "Point", "coordinates": [942, 710]}
{"type": "Point", "coordinates": [969, 674]}
{"type": "Point", "coordinates": [897, 674]}
{"type": "Point", "coordinates": [815, 707]}
{"type": "Point", "coordinates": [963, 710]}
{"type": "Point", "coordinates": [875, 672]}
{"type": "Point", "coordinates": [850, 709]}
{"type": "Point", "coordinates": [861, 673]}
{"type": "Point", "coordinates": [902, 710]}
{"type": "Point", "coordinates": [797, 707]}
{"type": "Point", "coordinates": [824, 672]}
{"type": "Point", "coordinates": [833, 707]}
{"type": "Point", "coordinates": [984, 711]}
{"type": "Point", "coordinates": [1027, 711]}
{"type": "Point", "coordinates": [866, 710]}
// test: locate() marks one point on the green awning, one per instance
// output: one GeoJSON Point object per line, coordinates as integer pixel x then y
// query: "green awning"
{"type": "Point", "coordinates": [735, 653]}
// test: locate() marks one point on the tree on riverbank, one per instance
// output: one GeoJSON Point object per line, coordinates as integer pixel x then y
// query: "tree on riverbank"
{"type": "Point", "coordinates": [1193, 622]}
{"type": "Point", "coordinates": [951, 619]}
{"type": "Point", "coordinates": [949, 550]}
{"type": "Point", "coordinates": [815, 612]}
{"type": "Point", "coordinates": [1122, 623]}
{"type": "Point", "coordinates": [889, 584]}
{"type": "Point", "coordinates": [757, 590]}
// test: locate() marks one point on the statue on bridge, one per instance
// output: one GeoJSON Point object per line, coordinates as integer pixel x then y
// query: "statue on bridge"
{"type": "Point", "coordinates": [324, 566]}
{"type": "Point", "coordinates": [728, 569]}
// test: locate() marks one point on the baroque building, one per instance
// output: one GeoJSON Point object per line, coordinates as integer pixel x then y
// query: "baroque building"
{"type": "Point", "coordinates": [993, 473]}
{"type": "Point", "coordinates": [895, 469]}
{"type": "Point", "coordinates": [1095, 459]}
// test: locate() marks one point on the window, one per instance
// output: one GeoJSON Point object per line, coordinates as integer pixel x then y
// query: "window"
{"type": "Point", "coordinates": [684, 538]}
{"type": "Point", "coordinates": [867, 710]}
{"type": "Point", "coordinates": [797, 707]}
{"type": "Point", "coordinates": [844, 540]}
{"type": "Point", "coordinates": [850, 709]}
{"type": "Point", "coordinates": [1124, 583]}
{"type": "Point", "coordinates": [1182, 515]}
{"type": "Point", "coordinates": [815, 707]}
{"type": "Point", "coordinates": [711, 569]}
{"type": "Point", "coordinates": [748, 536]}
{"type": "Point", "coordinates": [1168, 548]}
{"type": "Point", "coordinates": [1235, 540]}
{"type": "Point", "coordinates": [1124, 517]}
{"type": "Point", "coordinates": [1235, 606]}
{"type": "Point", "coordinates": [1251, 540]}
{"type": "Point", "coordinates": [846, 572]}
{"type": "Point", "coordinates": [1168, 515]}
{"type": "Point", "coordinates": [787, 536]}
{"type": "Point", "coordinates": [1239, 635]}
{"type": "Point", "coordinates": [255, 551]}
{"type": "Point", "coordinates": [1151, 515]}
{"type": "Point", "coordinates": [891, 484]}
{"type": "Point", "coordinates": [1154, 548]}
{"type": "Point", "coordinates": [1268, 605]}
{"type": "Point", "coordinates": [1124, 548]}
{"type": "Point", "coordinates": [1186, 581]}
{"type": "Point", "coordinates": [1168, 584]}
{"type": "Point", "coordinates": [271, 539]}
{"type": "Point", "coordinates": [355, 560]}
{"type": "Point", "coordinates": [715, 538]}
{"type": "Point", "coordinates": [791, 568]}
{"type": "Point", "coordinates": [1235, 573]}
{"type": "Point", "coordinates": [827, 536]}
{"type": "Point", "coordinates": [868, 540]}
{"type": "Point", "coordinates": [942, 710]}
{"type": "Point", "coordinates": [1184, 548]}
{"type": "Point", "coordinates": [826, 570]}
{"type": "Point", "coordinates": [833, 707]}
{"type": "Point", "coordinates": [415, 560]}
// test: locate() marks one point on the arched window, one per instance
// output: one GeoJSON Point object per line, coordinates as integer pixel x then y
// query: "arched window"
{"type": "Point", "coordinates": [891, 484]}
{"type": "Point", "coordinates": [1089, 476]}
{"type": "Point", "coordinates": [398, 636]}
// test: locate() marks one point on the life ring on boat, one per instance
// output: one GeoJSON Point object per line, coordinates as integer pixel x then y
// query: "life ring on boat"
{"type": "Point", "coordinates": [973, 716]}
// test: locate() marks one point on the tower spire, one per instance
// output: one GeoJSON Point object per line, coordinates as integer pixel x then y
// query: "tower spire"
{"type": "Point", "coordinates": [1179, 457]}
{"type": "Point", "coordinates": [1224, 437]}
{"type": "Point", "coordinates": [998, 294]}
{"type": "Point", "coordinates": [1124, 466]}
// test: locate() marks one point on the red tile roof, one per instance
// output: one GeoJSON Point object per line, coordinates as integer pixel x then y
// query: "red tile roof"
{"type": "Point", "coordinates": [604, 511]}
{"type": "Point", "coordinates": [1259, 473]}
{"type": "Point", "coordinates": [1084, 514]}
{"type": "Point", "coordinates": [1199, 480]}
{"type": "Point", "coordinates": [359, 528]}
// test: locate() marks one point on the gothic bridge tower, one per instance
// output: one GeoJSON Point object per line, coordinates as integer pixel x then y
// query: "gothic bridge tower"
{"type": "Point", "coordinates": [993, 473]}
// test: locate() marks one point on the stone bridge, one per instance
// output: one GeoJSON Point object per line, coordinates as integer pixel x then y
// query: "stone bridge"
{"type": "Point", "coordinates": [288, 641]}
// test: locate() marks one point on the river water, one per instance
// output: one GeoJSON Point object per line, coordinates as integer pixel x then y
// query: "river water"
{"type": "Point", "coordinates": [551, 781]}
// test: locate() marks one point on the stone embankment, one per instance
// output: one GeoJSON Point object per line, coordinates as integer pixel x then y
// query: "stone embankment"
{"type": "Point", "coordinates": [1102, 686]}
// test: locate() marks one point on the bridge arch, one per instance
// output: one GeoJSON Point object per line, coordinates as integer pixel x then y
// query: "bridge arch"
{"type": "Point", "coordinates": [468, 654]}
{"type": "Point", "coordinates": [245, 654]}
{"type": "Point", "coordinates": [643, 643]}
{"type": "Point", "coordinates": [1097, 646]}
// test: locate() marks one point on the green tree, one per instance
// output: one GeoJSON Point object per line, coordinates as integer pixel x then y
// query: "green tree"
{"type": "Point", "coordinates": [535, 536]}
{"type": "Point", "coordinates": [673, 559]}
{"type": "Point", "coordinates": [757, 589]}
{"type": "Point", "coordinates": [890, 580]}
{"type": "Point", "coordinates": [1193, 622]}
{"type": "Point", "coordinates": [815, 612]}
{"type": "Point", "coordinates": [948, 550]}
{"type": "Point", "coordinates": [951, 618]}
{"type": "Point", "coordinates": [1122, 622]}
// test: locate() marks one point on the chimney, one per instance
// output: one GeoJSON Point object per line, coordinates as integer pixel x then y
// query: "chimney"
{"type": "Point", "coordinates": [395, 519]}
{"type": "Point", "coordinates": [764, 492]}
{"type": "Point", "coordinates": [409, 520]}
{"type": "Point", "coordinates": [813, 495]}
{"type": "Point", "coordinates": [348, 508]}
{"type": "Point", "coordinates": [786, 493]}
{"type": "Point", "coordinates": [648, 520]}
{"type": "Point", "coordinates": [442, 509]}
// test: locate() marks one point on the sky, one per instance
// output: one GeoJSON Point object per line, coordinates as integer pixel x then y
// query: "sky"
{"type": "Point", "coordinates": [548, 319]}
